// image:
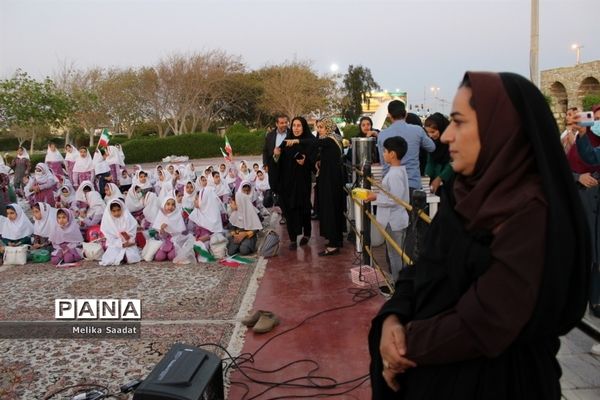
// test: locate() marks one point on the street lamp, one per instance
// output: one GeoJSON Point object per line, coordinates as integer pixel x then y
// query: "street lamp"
{"type": "Point", "coordinates": [435, 91]}
{"type": "Point", "coordinates": [577, 48]}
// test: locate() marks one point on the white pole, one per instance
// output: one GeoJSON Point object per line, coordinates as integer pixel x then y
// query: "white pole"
{"type": "Point", "coordinates": [535, 38]}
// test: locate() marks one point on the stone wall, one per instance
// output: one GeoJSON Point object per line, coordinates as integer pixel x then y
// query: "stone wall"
{"type": "Point", "coordinates": [567, 86]}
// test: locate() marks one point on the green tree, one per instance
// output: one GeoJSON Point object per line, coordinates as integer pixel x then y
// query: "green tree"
{"type": "Point", "coordinates": [589, 101]}
{"type": "Point", "coordinates": [28, 106]}
{"type": "Point", "coordinates": [358, 83]}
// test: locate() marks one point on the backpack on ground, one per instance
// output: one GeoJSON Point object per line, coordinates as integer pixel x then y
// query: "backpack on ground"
{"type": "Point", "coordinates": [270, 245]}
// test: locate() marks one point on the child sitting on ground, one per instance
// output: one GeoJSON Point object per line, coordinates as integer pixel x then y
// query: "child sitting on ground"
{"type": "Point", "coordinates": [119, 228]}
{"type": "Point", "coordinates": [169, 224]}
{"type": "Point", "coordinates": [15, 228]}
{"type": "Point", "coordinates": [66, 238]}
{"type": "Point", "coordinates": [44, 217]}
{"type": "Point", "coordinates": [245, 222]}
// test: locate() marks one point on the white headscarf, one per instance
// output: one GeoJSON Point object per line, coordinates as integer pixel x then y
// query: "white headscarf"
{"type": "Point", "coordinates": [71, 155]}
{"type": "Point", "coordinates": [100, 164]}
{"type": "Point", "coordinates": [43, 227]}
{"type": "Point", "coordinates": [174, 220]}
{"type": "Point", "coordinates": [53, 156]}
{"type": "Point", "coordinates": [69, 233]}
{"type": "Point", "coordinates": [126, 181]}
{"type": "Point", "coordinates": [84, 164]}
{"type": "Point", "coordinates": [137, 182]}
{"type": "Point", "coordinates": [112, 227]}
{"type": "Point", "coordinates": [114, 156]}
{"type": "Point", "coordinates": [19, 228]}
{"type": "Point", "coordinates": [44, 176]}
{"type": "Point", "coordinates": [133, 200]}
{"type": "Point", "coordinates": [79, 194]}
{"type": "Point", "coordinates": [190, 172]}
{"type": "Point", "coordinates": [151, 206]}
{"type": "Point", "coordinates": [24, 155]}
{"type": "Point", "coordinates": [222, 189]}
{"type": "Point", "coordinates": [115, 192]}
{"type": "Point", "coordinates": [262, 185]}
{"type": "Point", "coordinates": [208, 215]}
{"type": "Point", "coordinates": [246, 215]}
{"type": "Point", "coordinates": [69, 198]}
{"type": "Point", "coordinates": [188, 198]}
{"type": "Point", "coordinates": [95, 203]}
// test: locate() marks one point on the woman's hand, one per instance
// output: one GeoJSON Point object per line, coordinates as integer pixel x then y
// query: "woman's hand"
{"type": "Point", "coordinates": [163, 228]}
{"type": "Point", "coordinates": [277, 151]}
{"type": "Point", "coordinates": [291, 142]}
{"type": "Point", "coordinates": [588, 180]}
{"type": "Point", "coordinates": [393, 350]}
{"type": "Point", "coordinates": [372, 134]}
{"type": "Point", "coordinates": [301, 160]}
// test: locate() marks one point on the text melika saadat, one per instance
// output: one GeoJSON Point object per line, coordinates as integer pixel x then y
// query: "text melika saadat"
{"type": "Point", "coordinates": [102, 330]}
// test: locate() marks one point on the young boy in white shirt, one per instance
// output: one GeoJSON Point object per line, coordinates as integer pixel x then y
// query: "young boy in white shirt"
{"type": "Point", "coordinates": [391, 215]}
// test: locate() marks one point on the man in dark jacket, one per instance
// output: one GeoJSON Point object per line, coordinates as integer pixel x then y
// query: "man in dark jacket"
{"type": "Point", "coordinates": [274, 139]}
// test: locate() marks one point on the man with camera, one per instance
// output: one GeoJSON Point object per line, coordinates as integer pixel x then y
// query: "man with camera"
{"type": "Point", "coordinates": [274, 139]}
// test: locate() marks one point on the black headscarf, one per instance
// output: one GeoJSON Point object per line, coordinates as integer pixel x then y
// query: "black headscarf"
{"type": "Point", "coordinates": [520, 166]}
{"type": "Point", "coordinates": [440, 155]}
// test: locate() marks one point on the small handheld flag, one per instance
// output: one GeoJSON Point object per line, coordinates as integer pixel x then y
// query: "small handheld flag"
{"type": "Point", "coordinates": [104, 138]}
{"type": "Point", "coordinates": [225, 155]}
{"type": "Point", "coordinates": [228, 148]}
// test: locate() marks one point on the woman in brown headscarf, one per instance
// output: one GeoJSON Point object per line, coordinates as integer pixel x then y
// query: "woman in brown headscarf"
{"type": "Point", "coordinates": [505, 266]}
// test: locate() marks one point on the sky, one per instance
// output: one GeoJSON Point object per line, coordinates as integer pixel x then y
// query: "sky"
{"type": "Point", "coordinates": [411, 45]}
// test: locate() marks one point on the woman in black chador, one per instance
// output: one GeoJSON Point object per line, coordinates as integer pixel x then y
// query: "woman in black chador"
{"type": "Point", "coordinates": [292, 167]}
{"type": "Point", "coordinates": [505, 267]}
{"type": "Point", "coordinates": [329, 191]}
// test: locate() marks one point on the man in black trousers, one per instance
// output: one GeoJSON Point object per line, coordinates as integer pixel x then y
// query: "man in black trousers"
{"type": "Point", "coordinates": [274, 139]}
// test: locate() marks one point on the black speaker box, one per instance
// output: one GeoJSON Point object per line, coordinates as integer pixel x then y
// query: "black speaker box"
{"type": "Point", "coordinates": [184, 373]}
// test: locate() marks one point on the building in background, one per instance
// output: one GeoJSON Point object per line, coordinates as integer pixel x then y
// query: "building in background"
{"type": "Point", "coordinates": [573, 86]}
{"type": "Point", "coordinates": [376, 98]}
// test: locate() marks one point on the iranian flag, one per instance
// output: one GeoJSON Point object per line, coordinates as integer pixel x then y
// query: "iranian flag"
{"type": "Point", "coordinates": [225, 155]}
{"type": "Point", "coordinates": [228, 148]}
{"type": "Point", "coordinates": [104, 138]}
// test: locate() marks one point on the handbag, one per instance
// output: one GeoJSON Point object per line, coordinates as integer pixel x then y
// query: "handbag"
{"type": "Point", "coordinates": [39, 256]}
{"type": "Point", "coordinates": [150, 249]}
{"type": "Point", "coordinates": [270, 245]}
{"type": "Point", "coordinates": [92, 251]}
{"type": "Point", "coordinates": [15, 255]}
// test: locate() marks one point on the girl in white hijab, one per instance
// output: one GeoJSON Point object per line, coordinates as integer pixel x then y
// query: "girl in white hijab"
{"type": "Point", "coordinates": [114, 162]}
{"type": "Point", "coordinates": [65, 197]}
{"type": "Point", "coordinates": [143, 182]}
{"type": "Point", "coordinates": [16, 229]}
{"type": "Point", "coordinates": [169, 224]}
{"type": "Point", "coordinates": [245, 221]}
{"type": "Point", "coordinates": [244, 171]}
{"type": "Point", "coordinates": [134, 201]}
{"type": "Point", "coordinates": [44, 184]}
{"type": "Point", "coordinates": [151, 210]}
{"type": "Point", "coordinates": [21, 165]}
{"type": "Point", "coordinates": [83, 170]}
{"type": "Point", "coordinates": [206, 216]}
{"type": "Point", "coordinates": [66, 238]}
{"type": "Point", "coordinates": [95, 210]}
{"type": "Point", "coordinates": [119, 228]}
{"type": "Point", "coordinates": [54, 160]}
{"type": "Point", "coordinates": [44, 218]}
{"type": "Point", "coordinates": [111, 192]}
{"type": "Point", "coordinates": [164, 184]}
{"type": "Point", "coordinates": [71, 156]}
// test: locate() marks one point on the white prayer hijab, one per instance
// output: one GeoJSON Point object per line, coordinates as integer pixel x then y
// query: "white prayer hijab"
{"type": "Point", "coordinates": [173, 220]}
{"type": "Point", "coordinates": [84, 164]}
{"type": "Point", "coordinates": [115, 192]}
{"type": "Point", "coordinates": [69, 233]}
{"type": "Point", "coordinates": [100, 164]}
{"type": "Point", "coordinates": [151, 206]}
{"type": "Point", "coordinates": [262, 185]}
{"type": "Point", "coordinates": [53, 155]}
{"type": "Point", "coordinates": [79, 194]}
{"type": "Point", "coordinates": [43, 227]}
{"type": "Point", "coordinates": [188, 198]}
{"type": "Point", "coordinates": [43, 175]}
{"type": "Point", "coordinates": [71, 155]}
{"type": "Point", "coordinates": [112, 227]}
{"type": "Point", "coordinates": [133, 200]}
{"type": "Point", "coordinates": [19, 228]}
{"type": "Point", "coordinates": [208, 214]}
{"type": "Point", "coordinates": [246, 215]}
{"type": "Point", "coordinates": [69, 197]}
{"type": "Point", "coordinates": [24, 155]}
{"type": "Point", "coordinates": [95, 203]}
{"type": "Point", "coordinates": [114, 156]}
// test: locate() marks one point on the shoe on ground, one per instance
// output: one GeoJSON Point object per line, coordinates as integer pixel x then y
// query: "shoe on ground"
{"type": "Point", "coordinates": [266, 323]}
{"type": "Point", "coordinates": [293, 246]}
{"type": "Point", "coordinates": [251, 320]}
{"type": "Point", "coordinates": [304, 240]}
{"type": "Point", "coordinates": [596, 350]}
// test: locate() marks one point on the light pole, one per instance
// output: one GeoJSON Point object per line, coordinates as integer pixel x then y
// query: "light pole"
{"type": "Point", "coordinates": [435, 90]}
{"type": "Point", "coordinates": [534, 48]}
{"type": "Point", "coordinates": [577, 48]}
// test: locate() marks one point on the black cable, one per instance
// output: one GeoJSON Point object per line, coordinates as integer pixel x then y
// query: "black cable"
{"type": "Point", "coordinates": [328, 383]}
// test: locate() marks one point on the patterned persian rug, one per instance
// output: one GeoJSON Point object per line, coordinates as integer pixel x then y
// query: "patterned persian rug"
{"type": "Point", "coordinates": [192, 304]}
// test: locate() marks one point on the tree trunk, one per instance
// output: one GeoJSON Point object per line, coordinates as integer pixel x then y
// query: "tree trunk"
{"type": "Point", "coordinates": [91, 137]}
{"type": "Point", "coordinates": [67, 136]}
{"type": "Point", "coordinates": [32, 140]}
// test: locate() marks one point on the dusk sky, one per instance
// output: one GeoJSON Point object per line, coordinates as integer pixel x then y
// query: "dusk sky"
{"type": "Point", "coordinates": [408, 45]}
